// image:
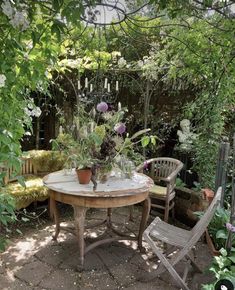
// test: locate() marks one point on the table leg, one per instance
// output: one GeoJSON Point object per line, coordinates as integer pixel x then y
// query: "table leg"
{"type": "Point", "coordinates": [144, 219]}
{"type": "Point", "coordinates": [79, 216]}
{"type": "Point", "coordinates": [109, 217]}
{"type": "Point", "coordinates": [54, 211]}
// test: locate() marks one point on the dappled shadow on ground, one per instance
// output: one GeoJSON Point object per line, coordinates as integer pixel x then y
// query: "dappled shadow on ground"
{"type": "Point", "coordinates": [36, 262]}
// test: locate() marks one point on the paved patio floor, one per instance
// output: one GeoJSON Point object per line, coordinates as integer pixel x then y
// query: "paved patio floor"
{"type": "Point", "coordinates": [35, 262]}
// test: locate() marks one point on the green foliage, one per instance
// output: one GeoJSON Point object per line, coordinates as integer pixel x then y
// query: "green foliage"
{"type": "Point", "coordinates": [99, 139]}
{"type": "Point", "coordinates": [29, 53]}
{"type": "Point", "coordinates": [7, 215]}
{"type": "Point", "coordinates": [198, 58]}
{"type": "Point", "coordinates": [179, 183]}
{"type": "Point", "coordinates": [223, 267]}
{"type": "Point", "coordinates": [217, 228]}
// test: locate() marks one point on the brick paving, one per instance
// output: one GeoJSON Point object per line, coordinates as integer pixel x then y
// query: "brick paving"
{"type": "Point", "coordinates": [35, 262]}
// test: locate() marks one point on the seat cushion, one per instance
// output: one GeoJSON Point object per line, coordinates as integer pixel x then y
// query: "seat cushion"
{"type": "Point", "coordinates": [34, 191]}
{"type": "Point", "coordinates": [158, 190]}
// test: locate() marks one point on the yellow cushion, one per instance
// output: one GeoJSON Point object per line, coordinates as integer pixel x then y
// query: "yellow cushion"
{"type": "Point", "coordinates": [34, 191]}
{"type": "Point", "coordinates": [158, 190]}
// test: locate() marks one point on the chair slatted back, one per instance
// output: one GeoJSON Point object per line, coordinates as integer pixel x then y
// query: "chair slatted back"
{"type": "Point", "coordinates": [27, 168]}
{"type": "Point", "coordinates": [161, 168]}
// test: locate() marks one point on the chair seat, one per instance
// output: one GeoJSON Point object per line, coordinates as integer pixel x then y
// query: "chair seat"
{"type": "Point", "coordinates": [158, 190]}
{"type": "Point", "coordinates": [170, 234]}
{"type": "Point", "coordinates": [34, 190]}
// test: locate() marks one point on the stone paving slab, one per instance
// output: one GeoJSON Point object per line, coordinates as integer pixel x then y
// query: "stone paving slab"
{"type": "Point", "coordinates": [35, 262]}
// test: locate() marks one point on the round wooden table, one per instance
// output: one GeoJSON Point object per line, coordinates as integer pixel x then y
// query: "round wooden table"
{"type": "Point", "coordinates": [114, 193]}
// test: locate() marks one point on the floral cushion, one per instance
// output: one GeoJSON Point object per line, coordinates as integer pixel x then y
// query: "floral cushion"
{"type": "Point", "coordinates": [24, 196]}
{"type": "Point", "coordinates": [158, 190]}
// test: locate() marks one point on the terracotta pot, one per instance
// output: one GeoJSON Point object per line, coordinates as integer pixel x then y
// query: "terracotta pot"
{"type": "Point", "coordinates": [84, 175]}
{"type": "Point", "coordinates": [208, 194]}
{"type": "Point", "coordinates": [210, 244]}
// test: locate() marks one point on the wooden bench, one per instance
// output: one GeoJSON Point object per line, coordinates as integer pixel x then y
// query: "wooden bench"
{"type": "Point", "coordinates": [34, 189]}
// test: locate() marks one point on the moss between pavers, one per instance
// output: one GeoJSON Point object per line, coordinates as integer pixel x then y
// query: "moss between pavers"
{"type": "Point", "coordinates": [24, 196]}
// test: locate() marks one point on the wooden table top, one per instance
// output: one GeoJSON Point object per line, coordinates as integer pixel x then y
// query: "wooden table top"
{"type": "Point", "coordinates": [114, 187]}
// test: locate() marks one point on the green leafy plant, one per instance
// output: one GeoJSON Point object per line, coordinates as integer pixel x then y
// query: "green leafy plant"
{"type": "Point", "coordinates": [223, 267]}
{"type": "Point", "coordinates": [217, 228]}
{"type": "Point", "coordinates": [7, 216]}
{"type": "Point", "coordinates": [99, 137]}
{"type": "Point", "coordinates": [179, 182]}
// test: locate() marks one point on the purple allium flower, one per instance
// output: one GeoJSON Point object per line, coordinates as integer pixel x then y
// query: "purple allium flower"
{"type": "Point", "coordinates": [120, 128]}
{"type": "Point", "coordinates": [230, 227]}
{"type": "Point", "coordinates": [102, 107]}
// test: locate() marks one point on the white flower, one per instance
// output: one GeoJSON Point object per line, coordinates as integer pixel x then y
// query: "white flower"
{"type": "Point", "coordinates": [30, 105]}
{"type": "Point", "coordinates": [27, 133]}
{"type": "Point", "coordinates": [37, 112]}
{"type": "Point", "coordinates": [140, 63]}
{"type": "Point", "coordinates": [2, 80]}
{"type": "Point", "coordinates": [26, 55]}
{"type": "Point", "coordinates": [7, 9]}
{"type": "Point", "coordinates": [145, 59]}
{"type": "Point", "coordinates": [20, 20]}
{"type": "Point", "coordinates": [32, 112]}
{"type": "Point", "coordinates": [121, 62]}
{"type": "Point", "coordinates": [29, 45]}
{"type": "Point", "coordinates": [27, 111]}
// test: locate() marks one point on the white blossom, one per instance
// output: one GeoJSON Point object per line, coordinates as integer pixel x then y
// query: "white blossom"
{"type": "Point", "coordinates": [20, 20]}
{"type": "Point", "coordinates": [2, 80]}
{"type": "Point", "coordinates": [140, 63]}
{"type": "Point", "coordinates": [29, 45]}
{"type": "Point", "coordinates": [121, 62]}
{"type": "Point", "coordinates": [27, 112]}
{"type": "Point", "coordinates": [7, 9]}
{"type": "Point", "coordinates": [32, 112]}
{"type": "Point", "coordinates": [26, 56]}
{"type": "Point", "coordinates": [27, 133]}
{"type": "Point", "coordinates": [31, 105]}
{"type": "Point", "coordinates": [37, 112]}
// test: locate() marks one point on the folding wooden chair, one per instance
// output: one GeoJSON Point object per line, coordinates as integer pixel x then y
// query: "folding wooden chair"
{"type": "Point", "coordinates": [181, 242]}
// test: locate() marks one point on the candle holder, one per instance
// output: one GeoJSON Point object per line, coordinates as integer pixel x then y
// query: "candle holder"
{"type": "Point", "coordinates": [93, 91]}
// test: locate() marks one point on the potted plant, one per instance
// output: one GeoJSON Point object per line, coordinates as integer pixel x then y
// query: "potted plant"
{"type": "Point", "coordinates": [223, 268]}
{"type": "Point", "coordinates": [83, 164]}
{"type": "Point", "coordinates": [97, 140]}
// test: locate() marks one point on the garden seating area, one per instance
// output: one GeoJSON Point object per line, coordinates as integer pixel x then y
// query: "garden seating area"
{"type": "Point", "coordinates": [117, 144]}
{"type": "Point", "coordinates": [34, 261]}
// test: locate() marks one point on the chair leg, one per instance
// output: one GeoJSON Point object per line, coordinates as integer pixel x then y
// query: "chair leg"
{"type": "Point", "coordinates": [167, 264]}
{"type": "Point", "coordinates": [172, 271]}
{"type": "Point", "coordinates": [194, 264]}
{"type": "Point", "coordinates": [166, 213]}
{"type": "Point", "coordinates": [173, 211]}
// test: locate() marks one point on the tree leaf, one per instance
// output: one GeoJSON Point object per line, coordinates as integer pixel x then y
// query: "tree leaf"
{"type": "Point", "coordinates": [55, 30]}
{"type": "Point", "coordinates": [145, 141]}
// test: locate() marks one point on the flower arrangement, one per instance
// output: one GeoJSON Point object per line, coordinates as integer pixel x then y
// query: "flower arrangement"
{"type": "Point", "coordinates": [98, 140]}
